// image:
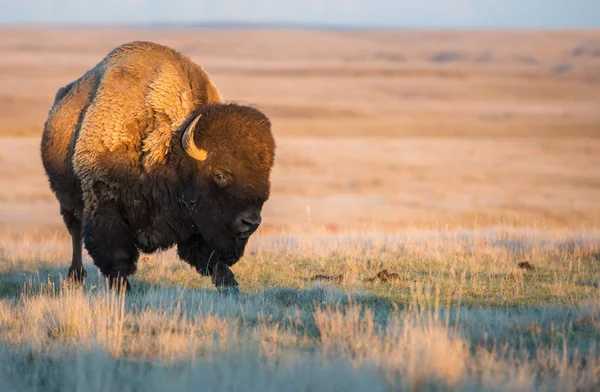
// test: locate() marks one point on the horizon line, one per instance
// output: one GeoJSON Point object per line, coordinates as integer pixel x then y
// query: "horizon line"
{"type": "Point", "coordinates": [241, 25]}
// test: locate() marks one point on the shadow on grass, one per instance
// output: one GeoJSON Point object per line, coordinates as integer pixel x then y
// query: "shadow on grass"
{"type": "Point", "coordinates": [50, 281]}
{"type": "Point", "coordinates": [287, 307]}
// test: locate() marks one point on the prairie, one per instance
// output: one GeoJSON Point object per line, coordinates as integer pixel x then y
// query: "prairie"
{"type": "Point", "coordinates": [463, 163]}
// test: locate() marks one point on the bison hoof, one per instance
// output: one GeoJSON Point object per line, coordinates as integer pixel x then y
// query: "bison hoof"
{"type": "Point", "coordinates": [77, 274]}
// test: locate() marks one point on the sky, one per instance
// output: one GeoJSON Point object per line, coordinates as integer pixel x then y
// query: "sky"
{"type": "Point", "coordinates": [340, 13]}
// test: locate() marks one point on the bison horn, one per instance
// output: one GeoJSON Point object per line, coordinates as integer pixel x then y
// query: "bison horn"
{"type": "Point", "coordinates": [188, 143]}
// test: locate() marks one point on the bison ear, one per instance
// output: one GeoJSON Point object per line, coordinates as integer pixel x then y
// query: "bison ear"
{"type": "Point", "coordinates": [188, 144]}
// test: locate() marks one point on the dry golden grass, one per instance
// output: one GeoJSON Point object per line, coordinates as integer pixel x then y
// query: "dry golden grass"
{"type": "Point", "coordinates": [463, 317]}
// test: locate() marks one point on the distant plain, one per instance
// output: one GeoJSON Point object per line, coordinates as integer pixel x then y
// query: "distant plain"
{"type": "Point", "coordinates": [380, 130]}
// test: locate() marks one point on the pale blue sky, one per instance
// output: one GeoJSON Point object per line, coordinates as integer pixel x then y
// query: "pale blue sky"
{"type": "Point", "coordinates": [357, 13]}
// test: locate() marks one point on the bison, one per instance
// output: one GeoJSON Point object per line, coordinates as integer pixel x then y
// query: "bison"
{"type": "Point", "coordinates": [143, 154]}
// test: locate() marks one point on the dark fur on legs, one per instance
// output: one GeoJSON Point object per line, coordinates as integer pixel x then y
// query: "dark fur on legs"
{"type": "Point", "coordinates": [208, 262]}
{"type": "Point", "coordinates": [108, 240]}
{"type": "Point", "coordinates": [196, 252]}
{"type": "Point", "coordinates": [224, 280]}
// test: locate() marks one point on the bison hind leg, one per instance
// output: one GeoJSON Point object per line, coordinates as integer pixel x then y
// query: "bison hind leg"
{"type": "Point", "coordinates": [76, 271]}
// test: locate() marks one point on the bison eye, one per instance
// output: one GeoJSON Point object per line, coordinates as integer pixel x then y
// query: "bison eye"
{"type": "Point", "coordinates": [220, 179]}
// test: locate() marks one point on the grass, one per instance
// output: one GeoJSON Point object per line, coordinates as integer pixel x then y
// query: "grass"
{"type": "Point", "coordinates": [461, 316]}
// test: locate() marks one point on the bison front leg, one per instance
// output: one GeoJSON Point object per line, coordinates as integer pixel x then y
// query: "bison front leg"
{"type": "Point", "coordinates": [224, 280]}
{"type": "Point", "coordinates": [110, 243]}
{"type": "Point", "coordinates": [207, 262]}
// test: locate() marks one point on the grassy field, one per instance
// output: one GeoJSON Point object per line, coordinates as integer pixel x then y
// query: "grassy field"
{"type": "Point", "coordinates": [460, 315]}
{"type": "Point", "coordinates": [434, 223]}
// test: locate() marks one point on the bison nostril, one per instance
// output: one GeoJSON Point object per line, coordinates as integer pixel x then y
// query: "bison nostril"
{"type": "Point", "coordinates": [246, 223]}
{"type": "Point", "coordinates": [247, 226]}
{"type": "Point", "coordinates": [250, 224]}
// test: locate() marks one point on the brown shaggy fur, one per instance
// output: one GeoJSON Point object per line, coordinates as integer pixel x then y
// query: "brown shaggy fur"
{"type": "Point", "coordinates": [112, 151]}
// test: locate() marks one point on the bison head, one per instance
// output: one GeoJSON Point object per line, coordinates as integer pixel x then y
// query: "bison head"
{"type": "Point", "coordinates": [230, 150]}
